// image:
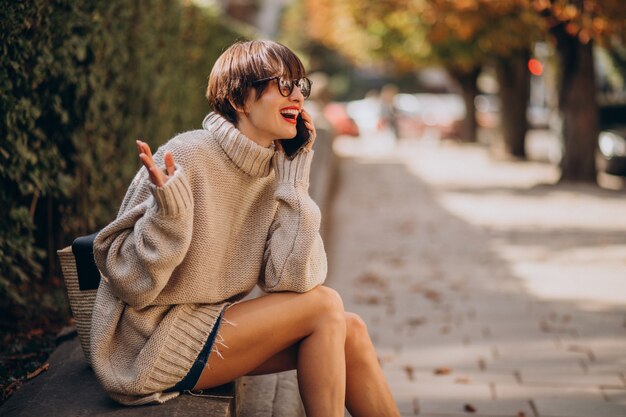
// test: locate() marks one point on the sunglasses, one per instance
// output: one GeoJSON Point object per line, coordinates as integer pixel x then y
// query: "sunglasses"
{"type": "Point", "coordinates": [285, 86]}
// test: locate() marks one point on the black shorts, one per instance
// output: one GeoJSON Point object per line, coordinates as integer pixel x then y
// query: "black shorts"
{"type": "Point", "coordinates": [191, 379]}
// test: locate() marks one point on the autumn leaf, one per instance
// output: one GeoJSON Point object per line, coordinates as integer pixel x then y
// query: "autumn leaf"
{"type": "Point", "coordinates": [469, 408]}
{"type": "Point", "coordinates": [443, 370]}
{"type": "Point", "coordinates": [410, 371]}
{"type": "Point", "coordinates": [37, 371]}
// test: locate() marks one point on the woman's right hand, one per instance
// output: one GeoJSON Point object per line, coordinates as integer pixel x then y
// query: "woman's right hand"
{"type": "Point", "coordinates": [157, 176]}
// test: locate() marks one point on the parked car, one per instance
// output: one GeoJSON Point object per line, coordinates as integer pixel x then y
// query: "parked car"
{"type": "Point", "coordinates": [337, 115]}
{"type": "Point", "coordinates": [612, 144]}
{"type": "Point", "coordinates": [612, 138]}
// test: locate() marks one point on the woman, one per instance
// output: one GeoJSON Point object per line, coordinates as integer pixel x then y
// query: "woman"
{"type": "Point", "coordinates": [225, 212]}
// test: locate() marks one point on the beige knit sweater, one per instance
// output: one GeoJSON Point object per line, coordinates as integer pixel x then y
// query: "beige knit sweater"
{"type": "Point", "coordinates": [234, 215]}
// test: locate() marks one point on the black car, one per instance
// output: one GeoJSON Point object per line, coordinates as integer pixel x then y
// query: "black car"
{"type": "Point", "coordinates": [612, 144]}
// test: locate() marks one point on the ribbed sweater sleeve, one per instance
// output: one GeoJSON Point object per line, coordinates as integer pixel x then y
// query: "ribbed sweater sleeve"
{"type": "Point", "coordinates": [138, 251]}
{"type": "Point", "coordinates": [295, 259]}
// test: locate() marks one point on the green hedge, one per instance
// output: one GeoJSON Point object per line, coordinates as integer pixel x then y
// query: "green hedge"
{"type": "Point", "coordinates": [80, 80]}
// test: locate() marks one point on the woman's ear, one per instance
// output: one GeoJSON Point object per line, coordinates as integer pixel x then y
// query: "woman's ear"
{"type": "Point", "coordinates": [238, 108]}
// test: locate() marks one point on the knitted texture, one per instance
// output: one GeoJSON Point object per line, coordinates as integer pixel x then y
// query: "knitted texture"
{"type": "Point", "coordinates": [233, 215]}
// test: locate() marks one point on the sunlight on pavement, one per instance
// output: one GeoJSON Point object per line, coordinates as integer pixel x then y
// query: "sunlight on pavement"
{"type": "Point", "coordinates": [564, 242]}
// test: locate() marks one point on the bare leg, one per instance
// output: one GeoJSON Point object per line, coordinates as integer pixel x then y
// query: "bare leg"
{"type": "Point", "coordinates": [367, 392]}
{"type": "Point", "coordinates": [312, 324]}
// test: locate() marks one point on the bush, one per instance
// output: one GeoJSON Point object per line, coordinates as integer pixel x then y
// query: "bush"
{"type": "Point", "coordinates": [80, 81]}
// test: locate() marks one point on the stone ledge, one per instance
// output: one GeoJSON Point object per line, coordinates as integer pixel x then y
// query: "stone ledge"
{"type": "Point", "coordinates": [70, 388]}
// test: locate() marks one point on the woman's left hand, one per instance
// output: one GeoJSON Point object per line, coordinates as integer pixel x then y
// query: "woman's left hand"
{"type": "Point", "coordinates": [308, 122]}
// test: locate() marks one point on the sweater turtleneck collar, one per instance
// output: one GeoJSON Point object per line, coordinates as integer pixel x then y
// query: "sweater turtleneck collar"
{"type": "Point", "coordinates": [250, 157]}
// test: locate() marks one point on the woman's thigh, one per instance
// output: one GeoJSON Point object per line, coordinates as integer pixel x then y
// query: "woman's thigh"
{"type": "Point", "coordinates": [261, 335]}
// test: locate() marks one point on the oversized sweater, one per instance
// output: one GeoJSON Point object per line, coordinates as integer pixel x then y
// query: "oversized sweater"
{"type": "Point", "coordinates": [233, 215]}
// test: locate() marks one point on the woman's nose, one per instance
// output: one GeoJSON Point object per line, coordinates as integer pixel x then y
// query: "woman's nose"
{"type": "Point", "coordinates": [296, 94]}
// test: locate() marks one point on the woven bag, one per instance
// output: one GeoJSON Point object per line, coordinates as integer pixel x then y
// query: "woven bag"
{"type": "Point", "coordinates": [81, 278]}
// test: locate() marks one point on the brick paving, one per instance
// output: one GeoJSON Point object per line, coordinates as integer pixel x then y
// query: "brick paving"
{"type": "Point", "coordinates": [487, 291]}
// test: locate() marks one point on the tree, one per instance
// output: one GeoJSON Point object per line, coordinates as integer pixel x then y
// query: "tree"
{"type": "Point", "coordinates": [576, 25]}
{"type": "Point", "coordinates": [466, 34]}
{"type": "Point", "coordinates": [460, 35]}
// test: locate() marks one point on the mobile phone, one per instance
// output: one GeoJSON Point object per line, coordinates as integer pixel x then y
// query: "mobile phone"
{"type": "Point", "coordinates": [292, 147]}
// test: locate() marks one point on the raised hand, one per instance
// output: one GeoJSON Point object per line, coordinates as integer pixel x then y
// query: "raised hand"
{"type": "Point", "coordinates": [157, 176]}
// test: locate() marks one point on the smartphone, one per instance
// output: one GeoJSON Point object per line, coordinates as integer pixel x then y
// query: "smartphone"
{"type": "Point", "coordinates": [293, 146]}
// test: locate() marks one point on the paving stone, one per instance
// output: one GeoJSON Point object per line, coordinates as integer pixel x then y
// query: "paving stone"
{"type": "Point", "coordinates": [461, 377]}
{"type": "Point", "coordinates": [533, 392]}
{"type": "Point", "coordinates": [552, 377]}
{"type": "Point", "coordinates": [605, 366]}
{"type": "Point", "coordinates": [482, 407]}
{"type": "Point", "coordinates": [429, 390]}
{"type": "Point", "coordinates": [452, 356]}
{"type": "Point", "coordinates": [615, 395]}
{"type": "Point", "coordinates": [407, 407]}
{"type": "Point", "coordinates": [578, 408]}
{"type": "Point", "coordinates": [562, 364]}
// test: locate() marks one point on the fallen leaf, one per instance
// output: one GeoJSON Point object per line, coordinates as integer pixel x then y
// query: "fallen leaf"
{"type": "Point", "coordinates": [443, 370]}
{"type": "Point", "coordinates": [409, 371]}
{"type": "Point", "coordinates": [462, 380]}
{"type": "Point", "coordinates": [372, 279]}
{"type": "Point", "coordinates": [469, 408]}
{"type": "Point", "coordinates": [416, 321]}
{"type": "Point", "coordinates": [37, 371]}
{"type": "Point", "coordinates": [34, 333]}
{"type": "Point", "coordinates": [521, 414]}
{"type": "Point", "coordinates": [370, 300]}
{"type": "Point", "coordinates": [433, 296]}
{"type": "Point", "coordinates": [396, 262]}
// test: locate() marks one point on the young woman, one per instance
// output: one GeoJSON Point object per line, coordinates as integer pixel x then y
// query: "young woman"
{"type": "Point", "coordinates": [224, 212]}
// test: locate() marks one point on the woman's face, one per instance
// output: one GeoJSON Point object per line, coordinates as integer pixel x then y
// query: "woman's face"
{"type": "Point", "coordinates": [272, 116]}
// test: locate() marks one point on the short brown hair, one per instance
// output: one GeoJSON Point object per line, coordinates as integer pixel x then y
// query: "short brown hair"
{"type": "Point", "coordinates": [243, 63]}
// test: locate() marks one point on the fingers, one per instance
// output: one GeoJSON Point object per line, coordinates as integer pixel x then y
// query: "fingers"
{"type": "Point", "coordinates": [156, 175]}
{"type": "Point", "coordinates": [168, 158]}
{"type": "Point", "coordinates": [144, 147]}
{"type": "Point", "coordinates": [308, 122]}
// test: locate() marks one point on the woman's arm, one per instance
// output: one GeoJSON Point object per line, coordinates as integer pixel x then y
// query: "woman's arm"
{"type": "Point", "coordinates": [139, 250]}
{"type": "Point", "coordinates": [295, 259]}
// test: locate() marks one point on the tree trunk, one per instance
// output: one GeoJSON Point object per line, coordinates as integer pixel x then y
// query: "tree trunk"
{"type": "Point", "coordinates": [467, 81]}
{"type": "Point", "coordinates": [514, 80]}
{"type": "Point", "coordinates": [578, 106]}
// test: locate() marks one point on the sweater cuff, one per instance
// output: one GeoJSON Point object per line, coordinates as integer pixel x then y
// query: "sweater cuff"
{"type": "Point", "coordinates": [175, 196]}
{"type": "Point", "coordinates": [296, 170]}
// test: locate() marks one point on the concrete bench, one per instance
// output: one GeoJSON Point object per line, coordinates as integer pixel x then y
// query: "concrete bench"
{"type": "Point", "coordinates": [69, 388]}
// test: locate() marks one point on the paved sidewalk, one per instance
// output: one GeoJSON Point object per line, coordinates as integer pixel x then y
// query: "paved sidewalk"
{"type": "Point", "coordinates": [486, 292]}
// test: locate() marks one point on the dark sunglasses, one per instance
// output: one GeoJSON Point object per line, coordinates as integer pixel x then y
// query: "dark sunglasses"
{"type": "Point", "coordinates": [285, 86]}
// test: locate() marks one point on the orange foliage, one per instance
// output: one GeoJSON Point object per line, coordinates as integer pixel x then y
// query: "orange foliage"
{"type": "Point", "coordinates": [586, 19]}
{"type": "Point", "coordinates": [459, 33]}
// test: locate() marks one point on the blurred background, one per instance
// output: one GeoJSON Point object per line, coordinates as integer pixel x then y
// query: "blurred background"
{"type": "Point", "coordinates": [80, 80]}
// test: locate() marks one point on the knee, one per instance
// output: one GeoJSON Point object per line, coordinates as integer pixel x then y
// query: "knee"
{"type": "Point", "coordinates": [329, 305]}
{"type": "Point", "coordinates": [357, 335]}
{"type": "Point", "coordinates": [329, 300]}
